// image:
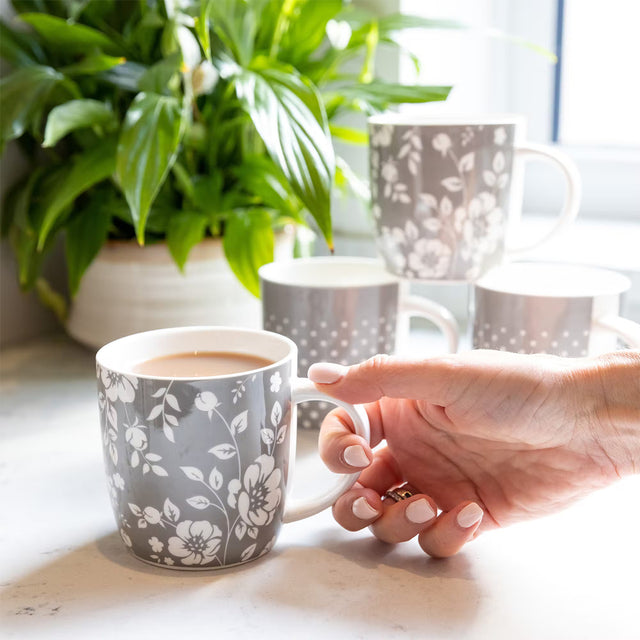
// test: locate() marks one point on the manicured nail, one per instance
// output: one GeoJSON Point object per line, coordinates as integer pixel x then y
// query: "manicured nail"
{"type": "Point", "coordinates": [325, 372]}
{"type": "Point", "coordinates": [419, 512]}
{"type": "Point", "coordinates": [363, 510]}
{"type": "Point", "coordinates": [470, 515]}
{"type": "Point", "coordinates": [355, 456]}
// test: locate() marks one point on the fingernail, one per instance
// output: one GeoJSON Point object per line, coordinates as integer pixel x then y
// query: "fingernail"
{"type": "Point", "coordinates": [355, 456]}
{"type": "Point", "coordinates": [419, 512]}
{"type": "Point", "coordinates": [470, 515]}
{"type": "Point", "coordinates": [363, 510]}
{"type": "Point", "coordinates": [325, 372]}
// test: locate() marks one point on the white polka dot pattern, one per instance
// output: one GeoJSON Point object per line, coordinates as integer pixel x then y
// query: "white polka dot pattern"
{"type": "Point", "coordinates": [342, 325]}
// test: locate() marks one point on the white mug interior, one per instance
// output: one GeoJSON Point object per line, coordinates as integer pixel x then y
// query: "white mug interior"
{"type": "Point", "coordinates": [124, 354]}
{"type": "Point", "coordinates": [328, 272]}
{"type": "Point", "coordinates": [554, 280]}
{"type": "Point", "coordinates": [536, 297]}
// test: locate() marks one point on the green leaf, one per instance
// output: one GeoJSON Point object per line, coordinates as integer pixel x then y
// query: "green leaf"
{"type": "Point", "coordinates": [76, 114]}
{"type": "Point", "coordinates": [248, 244]}
{"type": "Point", "coordinates": [307, 29]}
{"type": "Point", "coordinates": [92, 64]}
{"type": "Point", "coordinates": [86, 169]}
{"type": "Point", "coordinates": [262, 180]}
{"type": "Point", "coordinates": [292, 123]}
{"type": "Point", "coordinates": [147, 148]}
{"type": "Point", "coordinates": [51, 299]}
{"type": "Point", "coordinates": [86, 233]}
{"type": "Point", "coordinates": [236, 22]}
{"type": "Point", "coordinates": [68, 37]}
{"type": "Point", "coordinates": [347, 134]}
{"type": "Point", "coordinates": [384, 93]}
{"type": "Point", "coordinates": [125, 76]}
{"type": "Point", "coordinates": [156, 78]}
{"type": "Point", "coordinates": [22, 96]}
{"type": "Point", "coordinates": [15, 48]}
{"type": "Point", "coordinates": [186, 229]}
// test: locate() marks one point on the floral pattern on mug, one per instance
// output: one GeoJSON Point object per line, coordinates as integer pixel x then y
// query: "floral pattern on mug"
{"type": "Point", "coordinates": [195, 476]}
{"type": "Point", "coordinates": [439, 198]}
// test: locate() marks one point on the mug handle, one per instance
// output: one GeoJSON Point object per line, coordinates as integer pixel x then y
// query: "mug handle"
{"type": "Point", "coordinates": [627, 330]}
{"type": "Point", "coordinates": [297, 509]}
{"type": "Point", "coordinates": [417, 306]}
{"type": "Point", "coordinates": [572, 194]}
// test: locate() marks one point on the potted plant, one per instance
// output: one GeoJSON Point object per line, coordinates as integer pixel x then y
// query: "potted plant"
{"type": "Point", "coordinates": [166, 121]}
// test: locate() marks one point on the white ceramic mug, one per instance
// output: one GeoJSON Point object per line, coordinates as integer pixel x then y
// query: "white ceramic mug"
{"type": "Point", "coordinates": [566, 310]}
{"type": "Point", "coordinates": [445, 190]}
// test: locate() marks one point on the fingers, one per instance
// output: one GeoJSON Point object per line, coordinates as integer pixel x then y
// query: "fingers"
{"type": "Point", "coordinates": [393, 522]}
{"type": "Point", "coordinates": [451, 530]}
{"type": "Point", "coordinates": [436, 380]}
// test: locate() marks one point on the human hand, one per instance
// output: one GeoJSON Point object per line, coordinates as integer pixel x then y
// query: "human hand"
{"type": "Point", "coordinates": [487, 437]}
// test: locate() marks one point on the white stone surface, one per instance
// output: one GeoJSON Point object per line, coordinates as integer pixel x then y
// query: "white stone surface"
{"type": "Point", "coordinates": [64, 573]}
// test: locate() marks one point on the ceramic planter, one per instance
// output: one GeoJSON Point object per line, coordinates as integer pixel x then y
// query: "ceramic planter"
{"type": "Point", "coordinates": [128, 289]}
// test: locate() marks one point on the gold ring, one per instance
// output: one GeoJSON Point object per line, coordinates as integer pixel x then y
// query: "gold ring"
{"type": "Point", "coordinates": [401, 493]}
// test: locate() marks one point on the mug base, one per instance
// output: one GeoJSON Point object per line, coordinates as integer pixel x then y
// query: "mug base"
{"type": "Point", "coordinates": [177, 567]}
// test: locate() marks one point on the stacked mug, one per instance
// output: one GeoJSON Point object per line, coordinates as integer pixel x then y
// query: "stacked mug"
{"type": "Point", "coordinates": [446, 199]}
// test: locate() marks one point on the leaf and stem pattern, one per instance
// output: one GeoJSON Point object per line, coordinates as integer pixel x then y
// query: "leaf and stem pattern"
{"type": "Point", "coordinates": [195, 471]}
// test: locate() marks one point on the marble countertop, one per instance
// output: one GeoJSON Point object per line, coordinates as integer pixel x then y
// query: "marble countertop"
{"type": "Point", "coordinates": [64, 572]}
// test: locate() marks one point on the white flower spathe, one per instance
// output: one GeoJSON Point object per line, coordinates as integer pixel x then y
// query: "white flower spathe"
{"type": "Point", "coordinates": [195, 542]}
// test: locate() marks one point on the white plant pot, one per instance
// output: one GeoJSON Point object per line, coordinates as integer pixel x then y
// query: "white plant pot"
{"type": "Point", "coordinates": [128, 289]}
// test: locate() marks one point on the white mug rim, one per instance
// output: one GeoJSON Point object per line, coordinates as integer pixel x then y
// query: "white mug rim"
{"type": "Point", "coordinates": [110, 356]}
{"type": "Point", "coordinates": [618, 282]}
{"type": "Point", "coordinates": [283, 272]}
{"type": "Point", "coordinates": [442, 120]}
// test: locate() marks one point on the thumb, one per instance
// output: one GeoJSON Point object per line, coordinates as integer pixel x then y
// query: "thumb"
{"type": "Point", "coordinates": [436, 379]}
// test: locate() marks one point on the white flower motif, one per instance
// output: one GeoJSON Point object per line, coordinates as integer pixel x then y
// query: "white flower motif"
{"type": "Point", "coordinates": [118, 481]}
{"type": "Point", "coordinates": [156, 545]}
{"type": "Point", "coordinates": [137, 438]}
{"type": "Point", "coordinates": [169, 562]}
{"type": "Point", "coordinates": [276, 382]}
{"type": "Point", "coordinates": [261, 494]}
{"type": "Point", "coordinates": [206, 401]}
{"type": "Point", "coordinates": [390, 243]}
{"type": "Point", "coordinates": [430, 258]}
{"type": "Point", "coordinates": [195, 542]}
{"type": "Point", "coordinates": [382, 135]}
{"type": "Point", "coordinates": [499, 136]}
{"type": "Point", "coordinates": [482, 228]}
{"type": "Point", "coordinates": [117, 386]}
{"type": "Point", "coordinates": [441, 143]}
{"type": "Point", "coordinates": [390, 171]}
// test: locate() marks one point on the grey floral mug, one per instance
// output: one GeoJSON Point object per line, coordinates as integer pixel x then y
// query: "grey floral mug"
{"type": "Point", "coordinates": [199, 468]}
{"type": "Point", "coordinates": [444, 191]}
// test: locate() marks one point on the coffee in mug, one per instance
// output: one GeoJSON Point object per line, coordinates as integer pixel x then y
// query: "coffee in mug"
{"type": "Point", "coordinates": [197, 364]}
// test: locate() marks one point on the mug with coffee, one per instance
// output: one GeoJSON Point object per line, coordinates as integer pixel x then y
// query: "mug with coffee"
{"type": "Point", "coordinates": [445, 190]}
{"type": "Point", "coordinates": [198, 431]}
{"type": "Point", "coordinates": [344, 310]}
{"type": "Point", "coordinates": [562, 309]}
